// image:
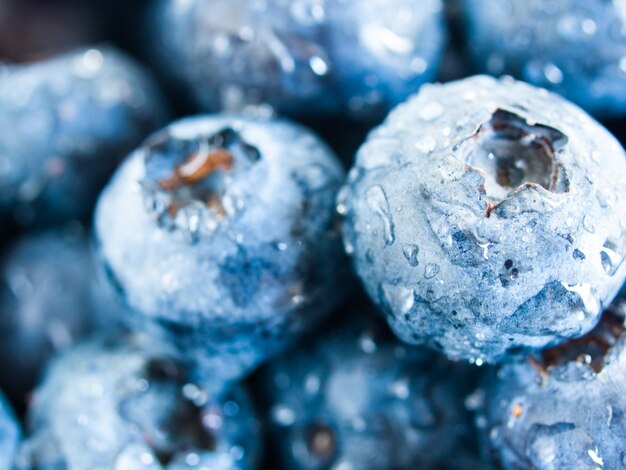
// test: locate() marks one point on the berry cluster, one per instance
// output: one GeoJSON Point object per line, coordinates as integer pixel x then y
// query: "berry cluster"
{"type": "Point", "coordinates": [290, 279]}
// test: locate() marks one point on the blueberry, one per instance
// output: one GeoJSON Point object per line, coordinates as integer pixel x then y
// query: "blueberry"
{"type": "Point", "coordinates": [220, 234]}
{"type": "Point", "coordinates": [486, 217]}
{"type": "Point", "coordinates": [9, 435]}
{"type": "Point", "coordinates": [564, 408]}
{"type": "Point", "coordinates": [49, 298]}
{"type": "Point", "coordinates": [301, 57]}
{"type": "Point", "coordinates": [573, 47]}
{"type": "Point", "coordinates": [128, 404]}
{"type": "Point", "coordinates": [358, 398]}
{"type": "Point", "coordinates": [66, 124]}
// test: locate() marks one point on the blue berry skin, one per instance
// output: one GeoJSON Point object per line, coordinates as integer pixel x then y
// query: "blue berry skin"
{"type": "Point", "coordinates": [356, 397]}
{"type": "Point", "coordinates": [573, 47]}
{"type": "Point", "coordinates": [220, 234]}
{"type": "Point", "coordinates": [10, 435]}
{"type": "Point", "coordinates": [128, 404]}
{"type": "Point", "coordinates": [50, 297]}
{"type": "Point", "coordinates": [301, 57]}
{"type": "Point", "coordinates": [565, 408]}
{"type": "Point", "coordinates": [67, 122]}
{"type": "Point", "coordinates": [486, 217]}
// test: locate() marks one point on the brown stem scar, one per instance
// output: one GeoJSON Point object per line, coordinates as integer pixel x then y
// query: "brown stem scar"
{"type": "Point", "coordinates": [197, 167]}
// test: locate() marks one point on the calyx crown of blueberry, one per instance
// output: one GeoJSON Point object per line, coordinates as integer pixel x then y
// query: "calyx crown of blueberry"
{"type": "Point", "coordinates": [186, 180]}
{"type": "Point", "coordinates": [181, 427]}
{"type": "Point", "coordinates": [512, 154]}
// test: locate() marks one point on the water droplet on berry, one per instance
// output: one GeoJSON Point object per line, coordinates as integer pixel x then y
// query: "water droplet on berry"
{"type": "Point", "coordinates": [283, 415]}
{"type": "Point", "coordinates": [377, 202]}
{"type": "Point", "coordinates": [318, 65]}
{"type": "Point", "coordinates": [401, 299]}
{"type": "Point", "coordinates": [410, 252]}
{"type": "Point", "coordinates": [367, 343]}
{"type": "Point", "coordinates": [431, 270]}
{"type": "Point", "coordinates": [588, 225]}
{"type": "Point", "coordinates": [587, 296]}
{"type": "Point", "coordinates": [611, 257]}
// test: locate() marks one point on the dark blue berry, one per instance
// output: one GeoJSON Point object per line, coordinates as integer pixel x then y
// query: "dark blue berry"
{"type": "Point", "coordinates": [576, 48]}
{"type": "Point", "coordinates": [300, 57]}
{"type": "Point", "coordinates": [497, 201]}
{"type": "Point", "coordinates": [67, 122]}
{"type": "Point", "coordinates": [358, 398]}
{"type": "Point", "coordinates": [221, 235]}
{"type": "Point", "coordinates": [564, 407]}
{"type": "Point", "coordinates": [50, 296]}
{"type": "Point", "coordinates": [130, 404]}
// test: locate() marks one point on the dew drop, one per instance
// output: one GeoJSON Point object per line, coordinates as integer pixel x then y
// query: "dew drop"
{"type": "Point", "coordinates": [552, 73]}
{"type": "Point", "coordinates": [213, 420]}
{"type": "Point", "coordinates": [348, 246]}
{"type": "Point", "coordinates": [367, 343]}
{"type": "Point", "coordinates": [377, 202]}
{"type": "Point", "coordinates": [192, 459]}
{"type": "Point", "coordinates": [237, 452]}
{"type": "Point", "coordinates": [400, 389]}
{"type": "Point", "coordinates": [418, 65]}
{"type": "Point", "coordinates": [588, 225]}
{"type": "Point", "coordinates": [312, 384]}
{"type": "Point", "coordinates": [475, 400]}
{"type": "Point", "coordinates": [586, 294]}
{"type": "Point", "coordinates": [283, 415]}
{"type": "Point", "coordinates": [410, 252]}
{"type": "Point", "coordinates": [610, 257]}
{"type": "Point", "coordinates": [431, 270]}
{"type": "Point", "coordinates": [318, 65]}
{"type": "Point", "coordinates": [342, 197]}
{"type": "Point", "coordinates": [401, 299]}
{"type": "Point", "coordinates": [593, 454]}
{"type": "Point", "coordinates": [485, 247]}
{"type": "Point", "coordinates": [607, 264]}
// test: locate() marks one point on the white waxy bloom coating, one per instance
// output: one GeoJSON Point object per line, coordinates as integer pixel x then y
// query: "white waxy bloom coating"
{"type": "Point", "coordinates": [504, 233]}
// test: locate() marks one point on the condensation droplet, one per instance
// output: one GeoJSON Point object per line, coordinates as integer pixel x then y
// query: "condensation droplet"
{"type": "Point", "coordinates": [588, 225]}
{"type": "Point", "coordinates": [400, 389]}
{"type": "Point", "coordinates": [610, 257]}
{"type": "Point", "coordinates": [485, 246]}
{"type": "Point", "coordinates": [377, 202]}
{"type": "Point", "coordinates": [400, 298]}
{"type": "Point", "coordinates": [318, 65]}
{"type": "Point", "coordinates": [593, 454]}
{"type": "Point", "coordinates": [410, 252]}
{"type": "Point", "coordinates": [552, 73]}
{"type": "Point", "coordinates": [431, 270]}
{"type": "Point", "coordinates": [367, 343]}
{"type": "Point", "coordinates": [586, 294]}
{"type": "Point", "coordinates": [283, 415]}
{"type": "Point", "coordinates": [312, 384]}
{"type": "Point", "coordinates": [342, 196]}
